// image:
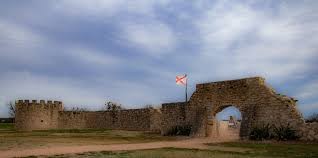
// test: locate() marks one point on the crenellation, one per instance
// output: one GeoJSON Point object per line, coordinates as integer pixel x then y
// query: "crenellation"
{"type": "Point", "coordinates": [257, 102]}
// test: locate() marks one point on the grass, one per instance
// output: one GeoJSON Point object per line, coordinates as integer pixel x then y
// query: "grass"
{"type": "Point", "coordinates": [11, 139]}
{"type": "Point", "coordinates": [6, 126]}
{"type": "Point", "coordinates": [278, 149]}
{"type": "Point", "coordinates": [157, 153]}
{"type": "Point", "coordinates": [256, 150]}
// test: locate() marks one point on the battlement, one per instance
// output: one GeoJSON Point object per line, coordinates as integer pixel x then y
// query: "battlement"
{"type": "Point", "coordinates": [40, 102]}
{"type": "Point", "coordinates": [35, 104]}
{"type": "Point", "coordinates": [34, 114]}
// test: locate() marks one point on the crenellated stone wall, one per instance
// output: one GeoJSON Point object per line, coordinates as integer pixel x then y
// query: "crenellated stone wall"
{"type": "Point", "coordinates": [258, 103]}
{"type": "Point", "coordinates": [34, 115]}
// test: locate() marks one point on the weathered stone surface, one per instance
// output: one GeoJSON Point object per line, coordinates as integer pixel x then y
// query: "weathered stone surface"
{"type": "Point", "coordinates": [258, 103]}
{"type": "Point", "coordinates": [50, 115]}
{"type": "Point", "coordinates": [37, 116]}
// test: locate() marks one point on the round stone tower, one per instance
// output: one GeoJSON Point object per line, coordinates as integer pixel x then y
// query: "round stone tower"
{"type": "Point", "coordinates": [36, 115]}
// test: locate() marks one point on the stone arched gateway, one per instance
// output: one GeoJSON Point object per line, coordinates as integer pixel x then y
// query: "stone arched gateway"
{"type": "Point", "coordinates": [211, 127]}
{"type": "Point", "coordinates": [257, 102]}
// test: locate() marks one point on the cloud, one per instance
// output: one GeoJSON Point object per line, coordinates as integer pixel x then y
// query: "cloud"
{"type": "Point", "coordinates": [18, 43]}
{"type": "Point", "coordinates": [92, 57]}
{"type": "Point", "coordinates": [104, 8]}
{"type": "Point", "coordinates": [154, 38]}
{"type": "Point", "coordinates": [84, 53]}
{"type": "Point", "coordinates": [238, 39]}
{"type": "Point", "coordinates": [12, 33]}
{"type": "Point", "coordinates": [96, 7]}
{"type": "Point", "coordinates": [223, 24]}
{"type": "Point", "coordinates": [26, 85]}
{"type": "Point", "coordinates": [308, 90]}
{"type": "Point", "coordinates": [76, 92]}
{"type": "Point", "coordinates": [310, 107]}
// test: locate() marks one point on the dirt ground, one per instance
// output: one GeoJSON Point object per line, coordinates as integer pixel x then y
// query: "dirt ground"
{"type": "Point", "coordinates": [56, 142]}
{"type": "Point", "coordinates": [57, 150]}
{"type": "Point", "coordinates": [85, 142]}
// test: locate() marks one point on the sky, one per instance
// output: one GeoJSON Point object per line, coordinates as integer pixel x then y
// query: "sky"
{"type": "Point", "coordinates": [85, 53]}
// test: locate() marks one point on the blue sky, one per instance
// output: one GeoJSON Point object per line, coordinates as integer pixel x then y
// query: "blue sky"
{"type": "Point", "coordinates": [87, 52]}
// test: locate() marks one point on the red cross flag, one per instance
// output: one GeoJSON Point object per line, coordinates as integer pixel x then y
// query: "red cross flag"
{"type": "Point", "coordinates": [181, 80]}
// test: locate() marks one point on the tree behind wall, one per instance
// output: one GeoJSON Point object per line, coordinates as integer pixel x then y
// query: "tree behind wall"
{"type": "Point", "coordinates": [11, 107]}
{"type": "Point", "coordinates": [113, 108]}
{"type": "Point", "coordinates": [312, 118]}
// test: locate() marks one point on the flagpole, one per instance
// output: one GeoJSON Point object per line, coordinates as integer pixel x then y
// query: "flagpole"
{"type": "Point", "coordinates": [186, 89]}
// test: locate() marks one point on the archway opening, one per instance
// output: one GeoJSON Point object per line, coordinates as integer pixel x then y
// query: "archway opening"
{"type": "Point", "coordinates": [226, 123]}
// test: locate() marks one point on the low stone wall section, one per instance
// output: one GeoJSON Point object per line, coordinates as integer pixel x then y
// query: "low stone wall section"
{"type": "Point", "coordinates": [309, 131]}
{"type": "Point", "coordinates": [132, 119]}
{"type": "Point", "coordinates": [173, 114]}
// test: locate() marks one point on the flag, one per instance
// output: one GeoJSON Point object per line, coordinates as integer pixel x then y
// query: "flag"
{"type": "Point", "coordinates": [181, 80]}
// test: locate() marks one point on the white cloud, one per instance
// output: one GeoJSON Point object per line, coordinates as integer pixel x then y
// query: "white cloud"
{"type": "Point", "coordinates": [154, 38]}
{"type": "Point", "coordinates": [25, 85]}
{"type": "Point", "coordinates": [14, 33]}
{"type": "Point", "coordinates": [91, 56]}
{"type": "Point", "coordinates": [308, 91]}
{"type": "Point", "coordinates": [239, 39]}
{"type": "Point", "coordinates": [223, 24]}
{"type": "Point", "coordinates": [310, 107]}
{"type": "Point", "coordinates": [18, 43]}
{"type": "Point", "coordinates": [102, 8]}
{"type": "Point", "coordinates": [235, 40]}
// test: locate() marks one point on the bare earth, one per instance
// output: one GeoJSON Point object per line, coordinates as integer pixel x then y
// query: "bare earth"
{"type": "Point", "coordinates": [56, 150]}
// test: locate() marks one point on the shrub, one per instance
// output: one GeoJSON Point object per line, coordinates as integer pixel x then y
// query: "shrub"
{"type": "Point", "coordinates": [180, 130]}
{"type": "Point", "coordinates": [281, 133]}
{"type": "Point", "coordinates": [312, 118]}
{"type": "Point", "coordinates": [260, 132]}
{"type": "Point", "coordinates": [284, 133]}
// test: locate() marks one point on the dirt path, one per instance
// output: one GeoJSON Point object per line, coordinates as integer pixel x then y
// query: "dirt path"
{"type": "Point", "coordinates": [189, 143]}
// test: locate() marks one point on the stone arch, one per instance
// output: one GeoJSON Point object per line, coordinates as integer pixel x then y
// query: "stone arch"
{"type": "Point", "coordinates": [258, 104]}
{"type": "Point", "coordinates": [212, 121]}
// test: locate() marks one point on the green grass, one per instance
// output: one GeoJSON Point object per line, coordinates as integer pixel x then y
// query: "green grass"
{"type": "Point", "coordinates": [11, 139]}
{"type": "Point", "coordinates": [6, 126]}
{"type": "Point", "coordinates": [157, 153]}
{"type": "Point", "coordinates": [257, 150]}
{"type": "Point", "coordinates": [277, 149]}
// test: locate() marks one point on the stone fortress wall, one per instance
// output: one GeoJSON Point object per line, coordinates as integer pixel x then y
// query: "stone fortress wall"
{"type": "Point", "coordinates": [258, 103]}
{"type": "Point", "coordinates": [31, 115]}
{"type": "Point", "coordinates": [132, 119]}
{"type": "Point", "coordinates": [50, 115]}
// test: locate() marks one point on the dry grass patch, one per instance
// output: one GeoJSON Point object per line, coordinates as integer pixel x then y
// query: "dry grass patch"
{"type": "Point", "coordinates": [11, 139]}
